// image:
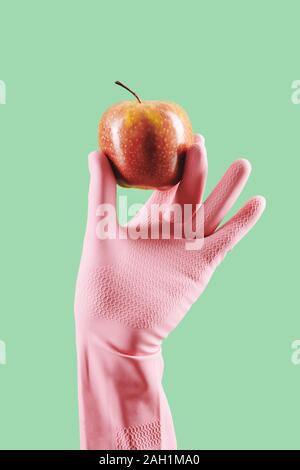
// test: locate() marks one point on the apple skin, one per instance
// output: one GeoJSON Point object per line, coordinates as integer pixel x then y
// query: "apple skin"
{"type": "Point", "coordinates": [146, 142]}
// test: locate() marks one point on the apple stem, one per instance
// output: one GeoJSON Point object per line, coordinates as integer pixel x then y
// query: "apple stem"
{"type": "Point", "coordinates": [128, 89]}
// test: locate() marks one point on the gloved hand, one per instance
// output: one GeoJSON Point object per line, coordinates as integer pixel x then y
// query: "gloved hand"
{"type": "Point", "coordinates": [131, 293]}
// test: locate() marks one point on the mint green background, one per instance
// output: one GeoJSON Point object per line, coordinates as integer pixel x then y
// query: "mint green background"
{"type": "Point", "coordinates": [228, 376]}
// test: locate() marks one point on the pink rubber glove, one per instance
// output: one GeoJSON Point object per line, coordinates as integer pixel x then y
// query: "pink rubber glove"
{"type": "Point", "coordinates": [132, 293]}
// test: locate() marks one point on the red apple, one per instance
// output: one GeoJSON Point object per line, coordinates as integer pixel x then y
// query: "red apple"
{"type": "Point", "coordinates": [146, 142]}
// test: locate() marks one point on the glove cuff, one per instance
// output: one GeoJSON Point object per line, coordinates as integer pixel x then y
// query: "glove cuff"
{"type": "Point", "coordinates": [122, 404]}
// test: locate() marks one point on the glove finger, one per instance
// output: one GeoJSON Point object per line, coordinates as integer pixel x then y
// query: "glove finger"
{"type": "Point", "coordinates": [222, 198]}
{"type": "Point", "coordinates": [227, 236]}
{"type": "Point", "coordinates": [192, 185]}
